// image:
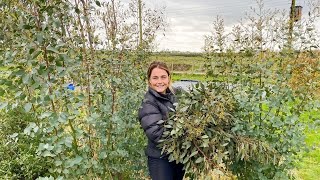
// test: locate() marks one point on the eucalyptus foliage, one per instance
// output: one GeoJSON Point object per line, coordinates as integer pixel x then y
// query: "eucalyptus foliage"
{"type": "Point", "coordinates": [222, 129]}
{"type": "Point", "coordinates": [17, 150]}
{"type": "Point", "coordinates": [81, 92]}
{"type": "Point", "coordinates": [247, 121]}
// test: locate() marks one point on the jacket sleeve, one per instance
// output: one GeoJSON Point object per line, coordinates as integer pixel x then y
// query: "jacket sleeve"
{"type": "Point", "coordinates": [149, 116]}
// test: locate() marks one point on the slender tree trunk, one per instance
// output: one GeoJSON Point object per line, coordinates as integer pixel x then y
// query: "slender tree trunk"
{"type": "Point", "coordinates": [140, 23]}
{"type": "Point", "coordinates": [291, 21]}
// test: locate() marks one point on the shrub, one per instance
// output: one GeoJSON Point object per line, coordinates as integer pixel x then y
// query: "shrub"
{"type": "Point", "coordinates": [235, 130]}
{"type": "Point", "coordinates": [18, 158]}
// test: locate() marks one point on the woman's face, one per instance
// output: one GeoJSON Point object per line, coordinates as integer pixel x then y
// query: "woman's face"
{"type": "Point", "coordinates": [159, 80]}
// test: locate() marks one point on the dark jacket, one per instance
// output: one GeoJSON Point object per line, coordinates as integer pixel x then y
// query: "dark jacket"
{"type": "Point", "coordinates": [155, 107]}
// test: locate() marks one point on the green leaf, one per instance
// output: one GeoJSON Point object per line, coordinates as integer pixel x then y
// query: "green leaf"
{"type": "Point", "coordinates": [204, 137]}
{"type": "Point", "coordinates": [3, 105]}
{"type": "Point", "coordinates": [193, 153]}
{"type": "Point", "coordinates": [68, 142]}
{"type": "Point", "coordinates": [103, 155]}
{"type": "Point", "coordinates": [225, 144]}
{"type": "Point", "coordinates": [35, 54]}
{"type": "Point", "coordinates": [199, 160]}
{"type": "Point", "coordinates": [217, 171]}
{"type": "Point", "coordinates": [58, 163]}
{"type": "Point", "coordinates": [47, 154]}
{"type": "Point", "coordinates": [98, 3]}
{"type": "Point", "coordinates": [187, 144]}
{"type": "Point", "coordinates": [61, 44]}
{"type": "Point", "coordinates": [167, 126]}
{"type": "Point", "coordinates": [27, 107]}
{"type": "Point", "coordinates": [26, 26]}
{"type": "Point", "coordinates": [77, 10]}
{"type": "Point", "coordinates": [122, 153]}
{"type": "Point", "coordinates": [60, 69]}
{"type": "Point", "coordinates": [45, 115]}
{"type": "Point", "coordinates": [40, 38]}
{"type": "Point", "coordinates": [186, 159]}
{"type": "Point", "coordinates": [48, 147]}
{"type": "Point", "coordinates": [52, 49]}
{"type": "Point", "coordinates": [25, 78]}
{"type": "Point", "coordinates": [13, 135]}
{"type": "Point", "coordinates": [172, 132]}
{"type": "Point", "coordinates": [184, 109]}
{"type": "Point", "coordinates": [187, 165]}
{"type": "Point", "coordinates": [18, 94]}
{"type": "Point", "coordinates": [183, 154]}
{"type": "Point", "coordinates": [28, 129]}
{"type": "Point", "coordinates": [62, 118]}
{"type": "Point", "coordinates": [77, 160]}
{"type": "Point", "coordinates": [205, 143]}
{"type": "Point", "coordinates": [160, 122]}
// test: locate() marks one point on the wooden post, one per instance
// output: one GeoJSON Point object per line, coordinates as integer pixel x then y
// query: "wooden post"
{"type": "Point", "coordinates": [291, 21]}
{"type": "Point", "coordinates": [140, 23]}
{"type": "Point", "coordinates": [172, 67]}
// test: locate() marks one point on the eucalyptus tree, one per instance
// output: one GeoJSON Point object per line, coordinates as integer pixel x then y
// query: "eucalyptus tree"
{"type": "Point", "coordinates": [247, 121]}
{"type": "Point", "coordinates": [82, 88]}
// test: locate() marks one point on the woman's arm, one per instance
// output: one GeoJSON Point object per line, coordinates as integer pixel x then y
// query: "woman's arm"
{"type": "Point", "coordinates": [149, 116]}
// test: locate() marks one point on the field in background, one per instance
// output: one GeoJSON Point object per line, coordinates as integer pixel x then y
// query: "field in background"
{"type": "Point", "coordinates": [182, 63]}
{"type": "Point", "coordinates": [187, 76]}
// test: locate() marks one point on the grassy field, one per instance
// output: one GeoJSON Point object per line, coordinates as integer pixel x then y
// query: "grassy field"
{"type": "Point", "coordinates": [183, 76]}
{"type": "Point", "coordinates": [309, 167]}
{"type": "Point", "coordinates": [187, 63]}
{"type": "Point", "coordinates": [183, 65]}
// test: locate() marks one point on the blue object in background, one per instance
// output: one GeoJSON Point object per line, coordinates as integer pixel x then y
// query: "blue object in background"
{"type": "Point", "coordinates": [70, 86]}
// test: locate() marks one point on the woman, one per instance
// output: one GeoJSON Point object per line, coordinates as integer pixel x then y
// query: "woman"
{"type": "Point", "coordinates": [156, 105]}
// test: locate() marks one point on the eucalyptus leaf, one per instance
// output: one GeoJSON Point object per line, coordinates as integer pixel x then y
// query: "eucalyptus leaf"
{"type": "Point", "coordinates": [3, 105]}
{"type": "Point", "coordinates": [27, 107]}
{"type": "Point", "coordinates": [47, 154]}
{"type": "Point", "coordinates": [77, 160]}
{"type": "Point", "coordinates": [160, 122]}
{"type": "Point", "coordinates": [199, 160]}
{"type": "Point", "coordinates": [25, 78]}
{"type": "Point", "coordinates": [193, 153]}
{"type": "Point", "coordinates": [52, 49]}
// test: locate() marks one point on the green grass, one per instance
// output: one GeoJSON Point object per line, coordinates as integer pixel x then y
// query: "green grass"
{"type": "Point", "coordinates": [309, 167]}
{"type": "Point", "coordinates": [181, 76]}
{"type": "Point", "coordinates": [195, 62]}
{"type": "Point", "coordinates": [3, 70]}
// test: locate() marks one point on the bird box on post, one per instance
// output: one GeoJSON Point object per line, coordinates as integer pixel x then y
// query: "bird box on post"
{"type": "Point", "coordinates": [297, 13]}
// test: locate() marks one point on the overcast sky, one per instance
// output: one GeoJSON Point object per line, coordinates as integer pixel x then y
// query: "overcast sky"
{"type": "Point", "coordinates": [190, 20]}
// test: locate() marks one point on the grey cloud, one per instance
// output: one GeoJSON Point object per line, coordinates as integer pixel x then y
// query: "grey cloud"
{"type": "Point", "coordinates": [190, 20]}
